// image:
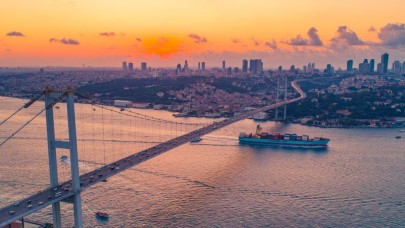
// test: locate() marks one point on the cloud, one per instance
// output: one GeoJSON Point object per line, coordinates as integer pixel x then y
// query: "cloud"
{"type": "Point", "coordinates": [236, 41]}
{"type": "Point", "coordinates": [164, 47]}
{"type": "Point", "coordinates": [392, 35]}
{"type": "Point", "coordinates": [313, 39]}
{"type": "Point", "coordinates": [372, 29]}
{"type": "Point", "coordinates": [256, 42]}
{"type": "Point", "coordinates": [298, 41]}
{"type": "Point", "coordinates": [14, 33]}
{"type": "Point", "coordinates": [107, 34]}
{"type": "Point", "coordinates": [272, 44]}
{"type": "Point", "coordinates": [66, 41]}
{"type": "Point", "coordinates": [346, 36]}
{"type": "Point", "coordinates": [197, 39]}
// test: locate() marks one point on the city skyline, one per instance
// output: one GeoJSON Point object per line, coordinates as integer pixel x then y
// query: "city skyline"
{"type": "Point", "coordinates": [164, 33]}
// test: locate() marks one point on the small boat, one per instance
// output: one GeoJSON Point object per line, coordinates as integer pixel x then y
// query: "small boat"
{"type": "Point", "coordinates": [178, 115]}
{"type": "Point", "coordinates": [402, 130]}
{"type": "Point", "coordinates": [398, 137]}
{"type": "Point", "coordinates": [63, 157]}
{"type": "Point", "coordinates": [196, 140]}
{"type": "Point", "coordinates": [56, 107]}
{"type": "Point", "coordinates": [102, 215]}
{"type": "Point", "coordinates": [122, 109]}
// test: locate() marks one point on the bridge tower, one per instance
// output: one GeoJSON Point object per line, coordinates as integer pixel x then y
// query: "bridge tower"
{"type": "Point", "coordinates": [281, 92]}
{"type": "Point", "coordinates": [71, 144]}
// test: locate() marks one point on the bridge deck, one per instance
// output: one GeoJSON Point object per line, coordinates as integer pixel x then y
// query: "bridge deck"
{"type": "Point", "coordinates": [48, 196]}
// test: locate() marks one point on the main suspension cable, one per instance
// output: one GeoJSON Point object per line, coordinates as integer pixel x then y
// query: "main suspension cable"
{"type": "Point", "coordinates": [26, 105]}
{"type": "Point", "coordinates": [29, 121]}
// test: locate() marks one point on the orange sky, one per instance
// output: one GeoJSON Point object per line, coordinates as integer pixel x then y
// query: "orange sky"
{"type": "Point", "coordinates": [165, 32]}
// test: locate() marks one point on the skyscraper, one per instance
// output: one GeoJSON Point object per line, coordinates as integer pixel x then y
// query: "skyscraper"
{"type": "Point", "coordinates": [372, 63]}
{"type": "Point", "coordinates": [380, 68]}
{"type": "Point", "coordinates": [256, 66]}
{"type": "Point", "coordinates": [178, 68]}
{"type": "Point", "coordinates": [124, 66]}
{"type": "Point", "coordinates": [131, 66]}
{"type": "Point", "coordinates": [349, 65]}
{"type": "Point", "coordinates": [244, 65]}
{"type": "Point", "coordinates": [403, 67]}
{"type": "Point", "coordinates": [203, 66]}
{"type": "Point", "coordinates": [396, 67]}
{"type": "Point", "coordinates": [364, 67]}
{"type": "Point", "coordinates": [384, 60]}
{"type": "Point", "coordinates": [144, 66]}
{"type": "Point", "coordinates": [329, 71]}
{"type": "Point", "coordinates": [185, 68]}
{"type": "Point", "coordinates": [223, 65]}
{"type": "Point", "coordinates": [199, 66]}
{"type": "Point", "coordinates": [229, 70]}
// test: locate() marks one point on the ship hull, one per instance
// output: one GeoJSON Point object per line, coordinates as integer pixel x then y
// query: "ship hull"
{"type": "Point", "coordinates": [290, 143]}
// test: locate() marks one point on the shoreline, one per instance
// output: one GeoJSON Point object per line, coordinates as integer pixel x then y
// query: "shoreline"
{"type": "Point", "coordinates": [198, 117]}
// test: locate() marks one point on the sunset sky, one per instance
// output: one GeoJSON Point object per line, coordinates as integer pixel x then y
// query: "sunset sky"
{"type": "Point", "coordinates": [166, 32]}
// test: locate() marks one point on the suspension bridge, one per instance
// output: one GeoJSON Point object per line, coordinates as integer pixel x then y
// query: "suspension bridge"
{"type": "Point", "coordinates": [69, 191]}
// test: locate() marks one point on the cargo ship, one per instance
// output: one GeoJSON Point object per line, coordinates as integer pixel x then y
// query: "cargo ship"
{"type": "Point", "coordinates": [276, 139]}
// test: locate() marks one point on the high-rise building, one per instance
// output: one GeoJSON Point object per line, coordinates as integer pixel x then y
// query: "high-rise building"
{"type": "Point", "coordinates": [244, 65]}
{"type": "Point", "coordinates": [396, 67]}
{"type": "Point", "coordinates": [178, 68]}
{"type": "Point", "coordinates": [349, 65]}
{"type": "Point", "coordinates": [292, 68]}
{"type": "Point", "coordinates": [256, 66]}
{"type": "Point", "coordinates": [223, 65]}
{"type": "Point", "coordinates": [384, 60]}
{"type": "Point", "coordinates": [364, 67]}
{"type": "Point", "coordinates": [124, 66]}
{"type": "Point", "coordinates": [380, 68]}
{"type": "Point", "coordinates": [144, 66]}
{"type": "Point", "coordinates": [203, 66]}
{"type": "Point", "coordinates": [185, 68]}
{"type": "Point", "coordinates": [329, 71]}
{"type": "Point", "coordinates": [229, 70]}
{"type": "Point", "coordinates": [280, 69]}
{"type": "Point", "coordinates": [131, 66]}
{"type": "Point", "coordinates": [372, 63]}
{"type": "Point", "coordinates": [199, 66]}
{"type": "Point", "coordinates": [403, 67]}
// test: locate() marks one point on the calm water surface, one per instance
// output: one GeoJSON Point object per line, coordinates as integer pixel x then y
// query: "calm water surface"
{"type": "Point", "coordinates": [359, 181]}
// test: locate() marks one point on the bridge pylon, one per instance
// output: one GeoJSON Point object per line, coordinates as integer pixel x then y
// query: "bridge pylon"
{"type": "Point", "coordinates": [281, 92]}
{"type": "Point", "coordinates": [71, 144]}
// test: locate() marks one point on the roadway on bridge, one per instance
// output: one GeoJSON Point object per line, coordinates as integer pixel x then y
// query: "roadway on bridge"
{"type": "Point", "coordinates": [64, 191]}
